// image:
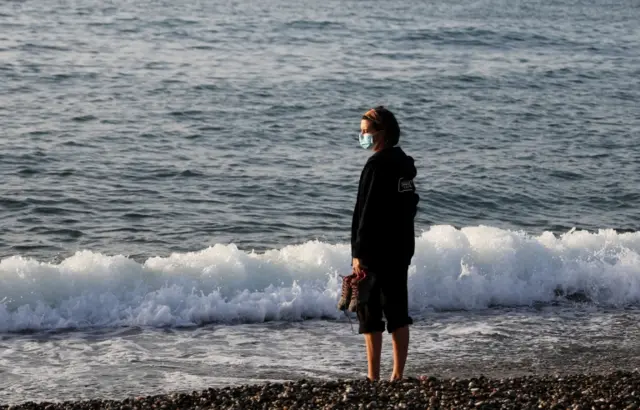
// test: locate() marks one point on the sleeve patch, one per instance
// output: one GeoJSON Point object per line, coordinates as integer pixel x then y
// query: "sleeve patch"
{"type": "Point", "coordinates": [406, 185]}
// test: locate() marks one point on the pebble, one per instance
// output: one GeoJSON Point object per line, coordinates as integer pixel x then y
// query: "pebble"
{"type": "Point", "coordinates": [618, 390]}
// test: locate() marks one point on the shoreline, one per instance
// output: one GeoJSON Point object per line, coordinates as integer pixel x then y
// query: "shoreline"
{"type": "Point", "coordinates": [611, 390]}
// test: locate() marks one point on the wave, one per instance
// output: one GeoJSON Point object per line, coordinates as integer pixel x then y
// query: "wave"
{"type": "Point", "coordinates": [469, 268]}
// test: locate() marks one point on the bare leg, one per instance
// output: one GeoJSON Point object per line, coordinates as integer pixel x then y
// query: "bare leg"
{"type": "Point", "coordinates": [400, 350]}
{"type": "Point", "coordinates": [373, 343]}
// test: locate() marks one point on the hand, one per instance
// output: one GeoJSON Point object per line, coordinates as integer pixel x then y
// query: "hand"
{"type": "Point", "coordinates": [355, 266]}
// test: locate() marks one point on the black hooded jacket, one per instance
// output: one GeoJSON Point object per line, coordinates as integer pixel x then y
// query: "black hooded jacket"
{"type": "Point", "coordinates": [382, 229]}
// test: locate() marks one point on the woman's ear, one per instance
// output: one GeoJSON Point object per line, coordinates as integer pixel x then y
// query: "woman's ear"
{"type": "Point", "coordinates": [380, 139]}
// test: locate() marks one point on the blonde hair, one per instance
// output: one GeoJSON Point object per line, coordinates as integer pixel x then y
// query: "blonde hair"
{"type": "Point", "coordinates": [373, 116]}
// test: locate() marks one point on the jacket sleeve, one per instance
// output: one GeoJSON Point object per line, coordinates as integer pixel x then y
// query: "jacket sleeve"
{"type": "Point", "coordinates": [370, 214]}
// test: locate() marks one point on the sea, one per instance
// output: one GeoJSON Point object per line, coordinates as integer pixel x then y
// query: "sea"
{"type": "Point", "coordinates": [177, 180]}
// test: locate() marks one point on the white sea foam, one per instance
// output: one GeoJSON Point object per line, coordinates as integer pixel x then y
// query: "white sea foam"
{"type": "Point", "coordinates": [471, 268]}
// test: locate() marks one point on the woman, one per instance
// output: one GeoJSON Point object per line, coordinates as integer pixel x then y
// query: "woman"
{"type": "Point", "coordinates": [382, 241]}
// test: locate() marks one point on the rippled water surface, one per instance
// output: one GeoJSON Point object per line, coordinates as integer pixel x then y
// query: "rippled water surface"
{"type": "Point", "coordinates": [149, 127]}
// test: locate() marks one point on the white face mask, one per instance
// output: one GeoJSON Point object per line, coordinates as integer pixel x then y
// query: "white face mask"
{"type": "Point", "coordinates": [366, 140]}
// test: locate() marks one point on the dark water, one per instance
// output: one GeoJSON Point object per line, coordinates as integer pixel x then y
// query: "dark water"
{"type": "Point", "coordinates": [143, 128]}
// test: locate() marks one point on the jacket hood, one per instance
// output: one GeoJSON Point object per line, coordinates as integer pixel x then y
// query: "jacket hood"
{"type": "Point", "coordinates": [395, 157]}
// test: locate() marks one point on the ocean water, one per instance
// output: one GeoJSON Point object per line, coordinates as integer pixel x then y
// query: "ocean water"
{"type": "Point", "coordinates": [178, 180]}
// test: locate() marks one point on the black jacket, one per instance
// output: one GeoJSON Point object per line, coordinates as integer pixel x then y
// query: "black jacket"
{"type": "Point", "coordinates": [382, 229]}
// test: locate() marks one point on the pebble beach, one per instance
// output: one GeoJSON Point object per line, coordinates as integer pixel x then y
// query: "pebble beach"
{"type": "Point", "coordinates": [616, 390]}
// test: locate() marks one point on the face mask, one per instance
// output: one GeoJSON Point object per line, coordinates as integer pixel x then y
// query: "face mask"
{"type": "Point", "coordinates": [366, 140]}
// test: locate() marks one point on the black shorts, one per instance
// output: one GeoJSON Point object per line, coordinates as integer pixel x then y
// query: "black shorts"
{"type": "Point", "coordinates": [389, 297]}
